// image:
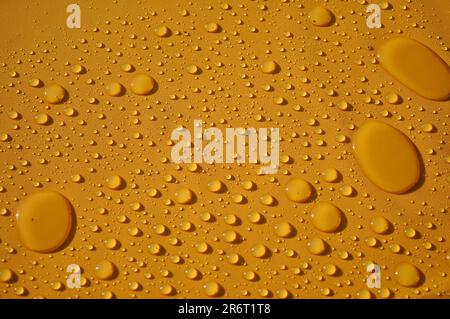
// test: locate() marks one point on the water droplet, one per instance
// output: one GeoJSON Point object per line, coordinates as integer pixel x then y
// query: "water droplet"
{"type": "Point", "coordinates": [230, 236]}
{"type": "Point", "coordinates": [184, 196]}
{"type": "Point", "coordinates": [407, 275]}
{"type": "Point", "coordinates": [142, 84]}
{"type": "Point", "coordinates": [105, 270]}
{"type": "Point", "coordinates": [6, 275]}
{"type": "Point", "coordinates": [44, 221]}
{"type": "Point", "coordinates": [115, 182]}
{"type": "Point", "coordinates": [320, 16]}
{"type": "Point", "coordinates": [162, 31]}
{"type": "Point", "coordinates": [331, 175]}
{"type": "Point", "coordinates": [316, 246]}
{"type": "Point", "coordinates": [212, 27]}
{"type": "Point", "coordinates": [260, 251]}
{"type": "Point", "coordinates": [326, 217]}
{"type": "Point", "coordinates": [269, 67]}
{"type": "Point", "coordinates": [284, 229]}
{"type": "Point", "coordinates": [387, 157]}
{"type": "Point", "coordinates": [192, 273]}
{"type": "Point", "coordinates": [215, 186]}
{"type": "Point", "coordinates": [114, 89]}
{"type": "Point", "coordinates": [416, 66]}
{"type": "Point", "coordinates": [298, 190]}
{"type": "Point", "coordinates": [42, 119]}
{"type": "Point", "coordinates": [380, 225]}
{"type": "Point", "coordinates": [212, 289]}
{"type": "Point", "coordinates": [54, 93]}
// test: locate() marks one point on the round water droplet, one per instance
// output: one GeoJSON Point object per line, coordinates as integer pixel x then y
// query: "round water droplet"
{"type": "Point", "coordinates": [371, 241]}
{"type": "Point", "coordinates": [249, 275]}
{"type": "Point", "coordinates": [320, 16]}
{"type": "Point", "coordinates": [42, 119]}
{"type": "Point", "coordinates": [316, 246]}
{"type": "Point", "coordinates": [237, 198]}
{"type": "Point", "coordinates": [385, 5]}
{"type": "Point", "coordinates": [407, 275]}
{"type": "Point", "coordinates": [212, 289]}
{"type": "Point", "coordinates": [142, 84]}
{"type": "Point", "coordinates": [269, 67]}
{"type": "Point", "coordinates": [114, 89]}
{"type": "Point", "coordinates": [77, 69]}
{"type": "Point", "coordinates": [162, 31]}
{"type": "Point", "coordinates": [267, 200]}
{"type": "Point", "coordinates": [192, 273]}
{"type": "Point", "coordinates": [395, 248]}
{"type": "Point", "coordinates": [184, 196]}
{"type": "Point", "coordinates": [44, 221]}
{"type": "Point", "coordinates": [134, 285]}
{"type": "Point", "coordinates": [282, 293]}
{"type": "Point", "coordinates": [155, 249]}
{"type": "Point", "coordinates": [215, 186]}
{"type": "Point", "coordinates": [284, 229]}
{"type": "Point", "coordinates": [6, 275]}
{"type": "Point", "coordinates": [330, 269]}
{"type": "Point", "coordinates": [254, 217]}
{"type": "Point", "coordinates": [247, 185]}
{"type": "Point", "coordinates": [234, 258]}
{"type": "Point", "coordinates": [260, 251]}
{"type": "Point", "coordinates": [231, 219]}
{"type": "Point", "coordinates": [330, 175]}
{"type": "Point", "coordinates": [111, 243]}
{"type": "Point", "coordinates": [346, 190]}
{"type": "Point", "coordinates": [115, 182]}
{"type": "Point", "coordinates": [35, 82]}
{"type": "Point", "coordinates": [380, 225]}
{"type": "Point", "coordinates": [160, 229]}
{"type": "Point", "coordinates": [193, 69]}
{"type": "Point", "coordinates": [105, 270]}
{"type": "Point", "coordinates": [212, 27]}
{"type": "Point", "coordinates": [127, 67]}
{"type": "Point", "coordinates": [202, 247]}
{"type": "Point", "coordinates": [167, 290]}
{"type": "Point", "coordinates": [410, 232]}
{"type": "Point", "coordinates": [230, 236]}
{"type": "Point", "coordinates": [393, 98]}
